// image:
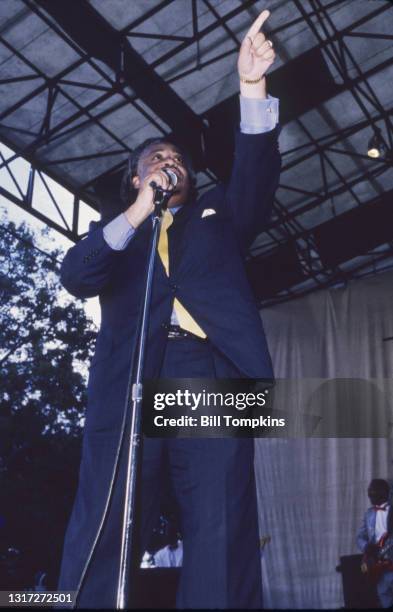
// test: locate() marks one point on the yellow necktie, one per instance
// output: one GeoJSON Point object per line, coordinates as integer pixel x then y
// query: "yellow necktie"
{"type": "Point", "coordinates": [183, 316]}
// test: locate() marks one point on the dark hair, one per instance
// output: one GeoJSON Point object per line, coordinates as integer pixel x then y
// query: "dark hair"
{"type": "Point", "coordinates": [128, 192]}
{"type": "Point", "coordinates": [380, 484]}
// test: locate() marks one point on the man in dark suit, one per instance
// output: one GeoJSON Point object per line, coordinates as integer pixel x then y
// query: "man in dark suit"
{"type": "Point", "coordinates": [204, 324]}
{"type": "Point", "coordinates": [377, 525]}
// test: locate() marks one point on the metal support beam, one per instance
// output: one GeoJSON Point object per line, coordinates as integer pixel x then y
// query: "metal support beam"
{"type": "Point", "coordinates": [138, 74]}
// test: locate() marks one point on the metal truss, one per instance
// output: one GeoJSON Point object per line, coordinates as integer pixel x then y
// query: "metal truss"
{"type": "Point", "coordinates": [333, 42]}
{"type": "Point", "coordinates": [132, 81]}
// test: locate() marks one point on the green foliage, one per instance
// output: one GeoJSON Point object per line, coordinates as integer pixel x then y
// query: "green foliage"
{"type": "Point", "coordinates": [45, 338]}
{"type": "Point", "coordinates": [46, 342]}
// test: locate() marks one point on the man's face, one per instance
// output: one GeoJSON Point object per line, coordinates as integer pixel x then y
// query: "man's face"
{"type": "Point", "coordinates": [164, 155]}
{"type": "Point", "coordinates": [377, 495]}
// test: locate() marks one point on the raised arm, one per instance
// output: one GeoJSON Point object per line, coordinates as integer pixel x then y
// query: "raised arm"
{"type": "Point", "coordinates": [256, 55]}
{"type": "Point", "coordinates": [257, 162]}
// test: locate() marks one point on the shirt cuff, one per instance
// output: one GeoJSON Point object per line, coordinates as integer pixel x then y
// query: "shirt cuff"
{"type": "Point", "coordinates": [258, 115]}
{"type": "Point", "coordinates": [118, 233]}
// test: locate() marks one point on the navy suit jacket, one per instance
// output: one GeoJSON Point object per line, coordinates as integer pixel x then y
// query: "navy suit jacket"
{"type": "Point", "coordinates": [206, 274]}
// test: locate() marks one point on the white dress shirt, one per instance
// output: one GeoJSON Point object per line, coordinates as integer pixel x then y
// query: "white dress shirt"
{"type": "Point", "coordinates": [381, 521]}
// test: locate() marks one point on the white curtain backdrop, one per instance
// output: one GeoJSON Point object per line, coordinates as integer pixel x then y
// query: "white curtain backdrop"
{"type": "Point", "coordinates": [312, 492]}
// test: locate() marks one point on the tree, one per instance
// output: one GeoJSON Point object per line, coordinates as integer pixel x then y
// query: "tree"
{"type": "Point", "coordinates": [46, 341]}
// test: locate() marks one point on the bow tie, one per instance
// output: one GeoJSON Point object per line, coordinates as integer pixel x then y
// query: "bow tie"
{"type": "Point", "coordinates": [383, 508]}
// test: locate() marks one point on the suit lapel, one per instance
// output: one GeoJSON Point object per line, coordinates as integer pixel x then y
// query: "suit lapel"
{"type": "Point", "coordinates": [176, 234]}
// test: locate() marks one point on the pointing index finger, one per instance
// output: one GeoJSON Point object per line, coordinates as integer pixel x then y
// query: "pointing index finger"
{"type": "Point", "coordinates": [258, 23]}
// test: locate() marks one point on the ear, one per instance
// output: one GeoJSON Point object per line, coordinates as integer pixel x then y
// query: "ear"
{"type": "Point", "coordinates": [136, 182]}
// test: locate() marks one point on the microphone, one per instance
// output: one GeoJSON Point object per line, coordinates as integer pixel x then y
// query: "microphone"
{"type": "Point", "coordinates": [171, 175]}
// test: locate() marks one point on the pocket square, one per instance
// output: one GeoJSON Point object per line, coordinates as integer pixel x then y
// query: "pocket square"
{"type": "Point", "coordinates": [207, 212]}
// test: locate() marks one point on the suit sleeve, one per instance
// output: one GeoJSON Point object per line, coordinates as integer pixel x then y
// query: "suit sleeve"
{"type": "Point", "coordinates": [362, 538]}
{"type": "Point", "coordinates": [88, 265]}
{"type": "Point", "coordinates": [254, 179]}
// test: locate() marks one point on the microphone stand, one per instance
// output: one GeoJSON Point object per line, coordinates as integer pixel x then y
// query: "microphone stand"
{"type": "Point", "coordinates": [134, 404]}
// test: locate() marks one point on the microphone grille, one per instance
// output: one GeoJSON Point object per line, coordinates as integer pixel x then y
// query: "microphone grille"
{"type": "Point", "coordinates": [172, 176]}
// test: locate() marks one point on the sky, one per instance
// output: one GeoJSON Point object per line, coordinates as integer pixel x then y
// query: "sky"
{"type": "Point", "coordinates": [43, 203]}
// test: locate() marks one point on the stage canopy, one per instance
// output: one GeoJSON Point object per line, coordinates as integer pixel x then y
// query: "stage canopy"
{"type": "Point", "coordinates": [82, 83]}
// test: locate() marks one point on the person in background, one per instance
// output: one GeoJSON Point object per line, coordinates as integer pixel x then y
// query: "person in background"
{"type": "Point", "coordinates": [375, 533]}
